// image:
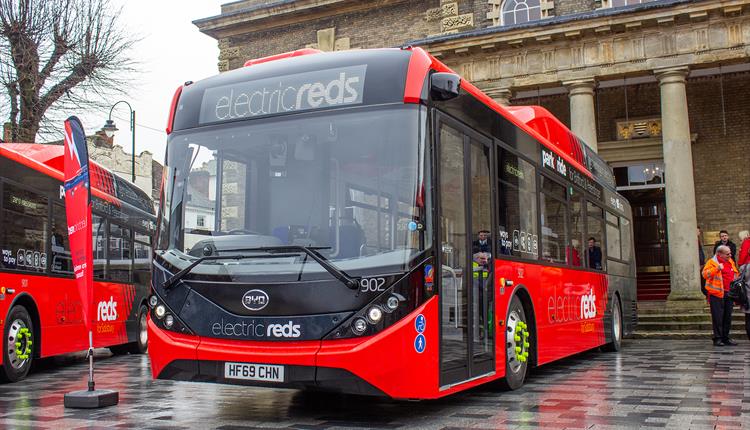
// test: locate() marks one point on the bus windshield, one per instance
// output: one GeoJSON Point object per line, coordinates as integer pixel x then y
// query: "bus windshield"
{"type": "Point", "coordinates": [346, 182]}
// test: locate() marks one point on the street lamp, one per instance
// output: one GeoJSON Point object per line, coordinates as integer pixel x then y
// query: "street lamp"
{"type": "Point", "coordinates": [110, 128]}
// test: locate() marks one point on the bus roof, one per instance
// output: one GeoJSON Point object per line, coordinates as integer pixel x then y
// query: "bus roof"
{"type": "Point", "coordinates": [47, 159]}
{"type": "Point", "coordinates": [397, 74]}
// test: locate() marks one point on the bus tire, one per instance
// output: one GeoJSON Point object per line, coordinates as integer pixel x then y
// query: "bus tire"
{"type": "Point", "coordinates": [18, 345]}
{"type": "Point", "coordinates": [140, 346]}
{"type": "Point", "coordinates": [518, 334]}
{"type": "Point", "coordinates": [615, 329]}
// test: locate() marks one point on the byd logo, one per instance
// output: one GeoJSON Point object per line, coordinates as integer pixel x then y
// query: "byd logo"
{"type": "Point", "coordinates": [107, 311]}
{"type": "Point", "coordinates": [255, 300]}
{"type": "Point", "coordinates": [588, 305]}
{"type": "Point", "coordinates": [283, 330]}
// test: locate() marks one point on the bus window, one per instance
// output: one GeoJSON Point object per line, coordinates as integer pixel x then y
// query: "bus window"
{"type": "Point", "coordinates": [60, 261]}
{"type": "Point", "coordinates": [613, 236]}
{"type": "Point", "coordinates": [24, 239]}
{"type": "Point", "coordinates": [594, 236]}
{"type": "Point", "coordinates": [120, 256]}
{"type": "Point", "coordinates": [99, 249]}
{"type": "Point", "coordinates": [516, 207]}
{"type": "Point", "coordinates": [233, 187]}
{"type": "Point", "coordinates": [553, 212]}
{"type": "Point", "coordinates": [625, 238]}
{"type": "Point", "coordinates": [575, 254]}
{"type": "Point", "coordinates": [142, 258]}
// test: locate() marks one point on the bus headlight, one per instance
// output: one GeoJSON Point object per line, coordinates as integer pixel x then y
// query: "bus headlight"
{"type": "Point", "coordinates": [160, 311]}
{"type": "Point", "coordinates": [169, 321]}
{"type": "Point", "coordinates": [359, 326]}
{"type": "Point", "coordinates": [153, 300]}
{"type": "Point", "coordinates": [375, 314]}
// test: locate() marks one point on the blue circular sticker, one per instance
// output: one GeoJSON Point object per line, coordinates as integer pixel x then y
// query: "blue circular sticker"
{"type": "Point", "coordinates": [419, 323]}
{"type": "Point", "coordinates": [420, 343]}
{"type": "Point", "coordinates": [412, 226]}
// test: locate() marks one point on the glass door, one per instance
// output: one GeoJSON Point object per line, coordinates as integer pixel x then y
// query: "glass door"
{"type": "Point", "coordinates": [466, 249]}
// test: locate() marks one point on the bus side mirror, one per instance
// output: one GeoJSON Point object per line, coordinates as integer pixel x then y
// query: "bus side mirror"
{"type": "Point", "coordinates": [444, 86]}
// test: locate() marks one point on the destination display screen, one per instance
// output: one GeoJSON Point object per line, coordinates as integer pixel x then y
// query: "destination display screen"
{"type": "Point", "coordinates": [281, 94]}
{"type": "Point", "coordinates": [557, 164]}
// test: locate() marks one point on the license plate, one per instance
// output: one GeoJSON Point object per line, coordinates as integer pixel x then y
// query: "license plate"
{"type": "Point", "coordinates": [254, 372]}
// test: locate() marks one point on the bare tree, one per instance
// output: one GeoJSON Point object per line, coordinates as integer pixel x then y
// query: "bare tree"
{"type": "Point", "coordinates": [58, 57]}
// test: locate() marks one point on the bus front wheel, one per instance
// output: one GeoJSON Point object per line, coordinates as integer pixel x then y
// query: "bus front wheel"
{"type": "Point", "coordinates": [517, 345]}
{"type": "Point", "coordinates": [18, 345]}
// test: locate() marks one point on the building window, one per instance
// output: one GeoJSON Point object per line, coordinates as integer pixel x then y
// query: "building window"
{"type": "Point", "coordinates": [621, 3]}
{"type": "Point", "coordinates": [647, 175]}
{"type": "Point", "coordinates": [201, 222]}
{"type": "Point", "coordinates": [521, 11]}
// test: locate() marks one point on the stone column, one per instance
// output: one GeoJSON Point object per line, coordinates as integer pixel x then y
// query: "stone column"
{"type": "Point", "coordinates": [582, 113]}
{"type": "Point", "coordinates": [682, 224]}
{"type": "Point", "coordinates": [500, 95]}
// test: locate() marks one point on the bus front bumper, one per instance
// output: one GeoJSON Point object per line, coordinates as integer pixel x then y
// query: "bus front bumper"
{"type": "Point", "coordinates": [386, 364]}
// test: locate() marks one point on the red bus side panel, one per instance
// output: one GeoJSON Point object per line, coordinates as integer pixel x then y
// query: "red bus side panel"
{"type": "Point", "coordinates": [58, 306]}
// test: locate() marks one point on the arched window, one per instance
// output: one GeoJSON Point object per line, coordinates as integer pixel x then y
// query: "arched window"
{"type": "Point", "coordinates": [521, 11]}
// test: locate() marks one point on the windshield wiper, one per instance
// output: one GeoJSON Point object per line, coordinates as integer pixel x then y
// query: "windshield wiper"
{"type": "Point", "coordinates": [312, 251]}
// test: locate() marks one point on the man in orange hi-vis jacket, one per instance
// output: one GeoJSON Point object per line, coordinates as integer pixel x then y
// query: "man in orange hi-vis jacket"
{"type": "Point", "coordinates": [719, 273]}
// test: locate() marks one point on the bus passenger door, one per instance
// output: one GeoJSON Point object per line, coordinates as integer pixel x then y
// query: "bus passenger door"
{"type": "Point", "coordinates": [465, 258]}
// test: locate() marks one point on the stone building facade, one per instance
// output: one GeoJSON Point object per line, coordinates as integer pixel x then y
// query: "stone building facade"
{"type": "Point", "coordinates": [113, 157]}
{"type": "Point", "coordinates": [659, 88]}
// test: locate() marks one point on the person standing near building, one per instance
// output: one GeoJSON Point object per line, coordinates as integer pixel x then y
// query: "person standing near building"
{"type": "Point", "coordinates": [744, 262]}
{"type": "Point", "coordinates": [724, 240]}
{"type": "Point", "coordinates": [719, 273]}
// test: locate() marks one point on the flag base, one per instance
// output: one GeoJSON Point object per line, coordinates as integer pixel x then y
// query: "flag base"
{"type": "Point", "coordinates": [93, 399]}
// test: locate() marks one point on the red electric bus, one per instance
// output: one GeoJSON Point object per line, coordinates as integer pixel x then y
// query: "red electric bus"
{"type": "Point", "coordinates": [369, 222]}
{"type": "Point", "coordinates": [40, 307]}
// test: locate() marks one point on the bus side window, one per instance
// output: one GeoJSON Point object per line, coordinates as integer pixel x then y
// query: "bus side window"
{"type": "Point", "coordinates": [554, 213]}
{"type": "Point", "coordinates": [60, 261]}
{"type": "Point", "coordinates": [625, 238]}
{"type": "Point", "coordinates": [142, 259]}
{"type": "Point", "coordinates": [99, 245]}
{"type": "Point", "coordinates": [575, 253]}
{"type": "Point", "coordinates": [120, 254]}
{"type": "Point", "coordinates": [516, 207]}
{"type": "Point", "coordinates": [24, 230]}
{"type": "Point", "coordinates": [613, 236]}
{"type": "Point", "coordinates": [594, 236]}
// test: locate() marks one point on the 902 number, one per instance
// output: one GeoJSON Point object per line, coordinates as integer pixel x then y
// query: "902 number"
{"type": "Point", "coordinates": [372, 285]}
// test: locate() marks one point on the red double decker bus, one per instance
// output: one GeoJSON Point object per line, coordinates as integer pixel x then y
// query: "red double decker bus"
{"type": "Point", "coordinates": [369, 222]}
{"type": "Point", "coordinates": [40, 306]}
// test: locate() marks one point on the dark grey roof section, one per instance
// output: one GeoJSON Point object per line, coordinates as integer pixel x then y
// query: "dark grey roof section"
{"type": "Point", "coordinates": [245, 10]}
{"type": "Point", "coordinates": [552, 21]}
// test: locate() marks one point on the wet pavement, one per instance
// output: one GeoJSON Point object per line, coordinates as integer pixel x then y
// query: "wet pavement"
{"type": "Point", "coordinates": [673, 384]}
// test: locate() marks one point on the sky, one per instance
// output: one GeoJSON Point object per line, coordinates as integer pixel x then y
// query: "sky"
{"type": "Point", "coordinates": [171, 52]}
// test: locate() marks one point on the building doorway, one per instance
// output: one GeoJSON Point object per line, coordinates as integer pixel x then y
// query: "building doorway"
{"type": "Point", "coordinates": [643, 185]}
{"type": "Point", "coordinates": [649, 229]}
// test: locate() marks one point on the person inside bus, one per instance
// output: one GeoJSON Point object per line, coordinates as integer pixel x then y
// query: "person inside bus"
{"type": "Point", "coordinates": [482, 244]}
{"type": "Point", "coordinates": [595, 254]}
{"type": "Point", "coordinates": [573, 253]}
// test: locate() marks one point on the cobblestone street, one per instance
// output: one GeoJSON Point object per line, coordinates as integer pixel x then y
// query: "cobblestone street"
{"type": "Point", "coordinates": [651, 384]}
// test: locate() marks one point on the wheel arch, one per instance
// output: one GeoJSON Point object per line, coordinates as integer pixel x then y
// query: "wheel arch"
{"type": "Point", "coordinates": [25, 300]}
